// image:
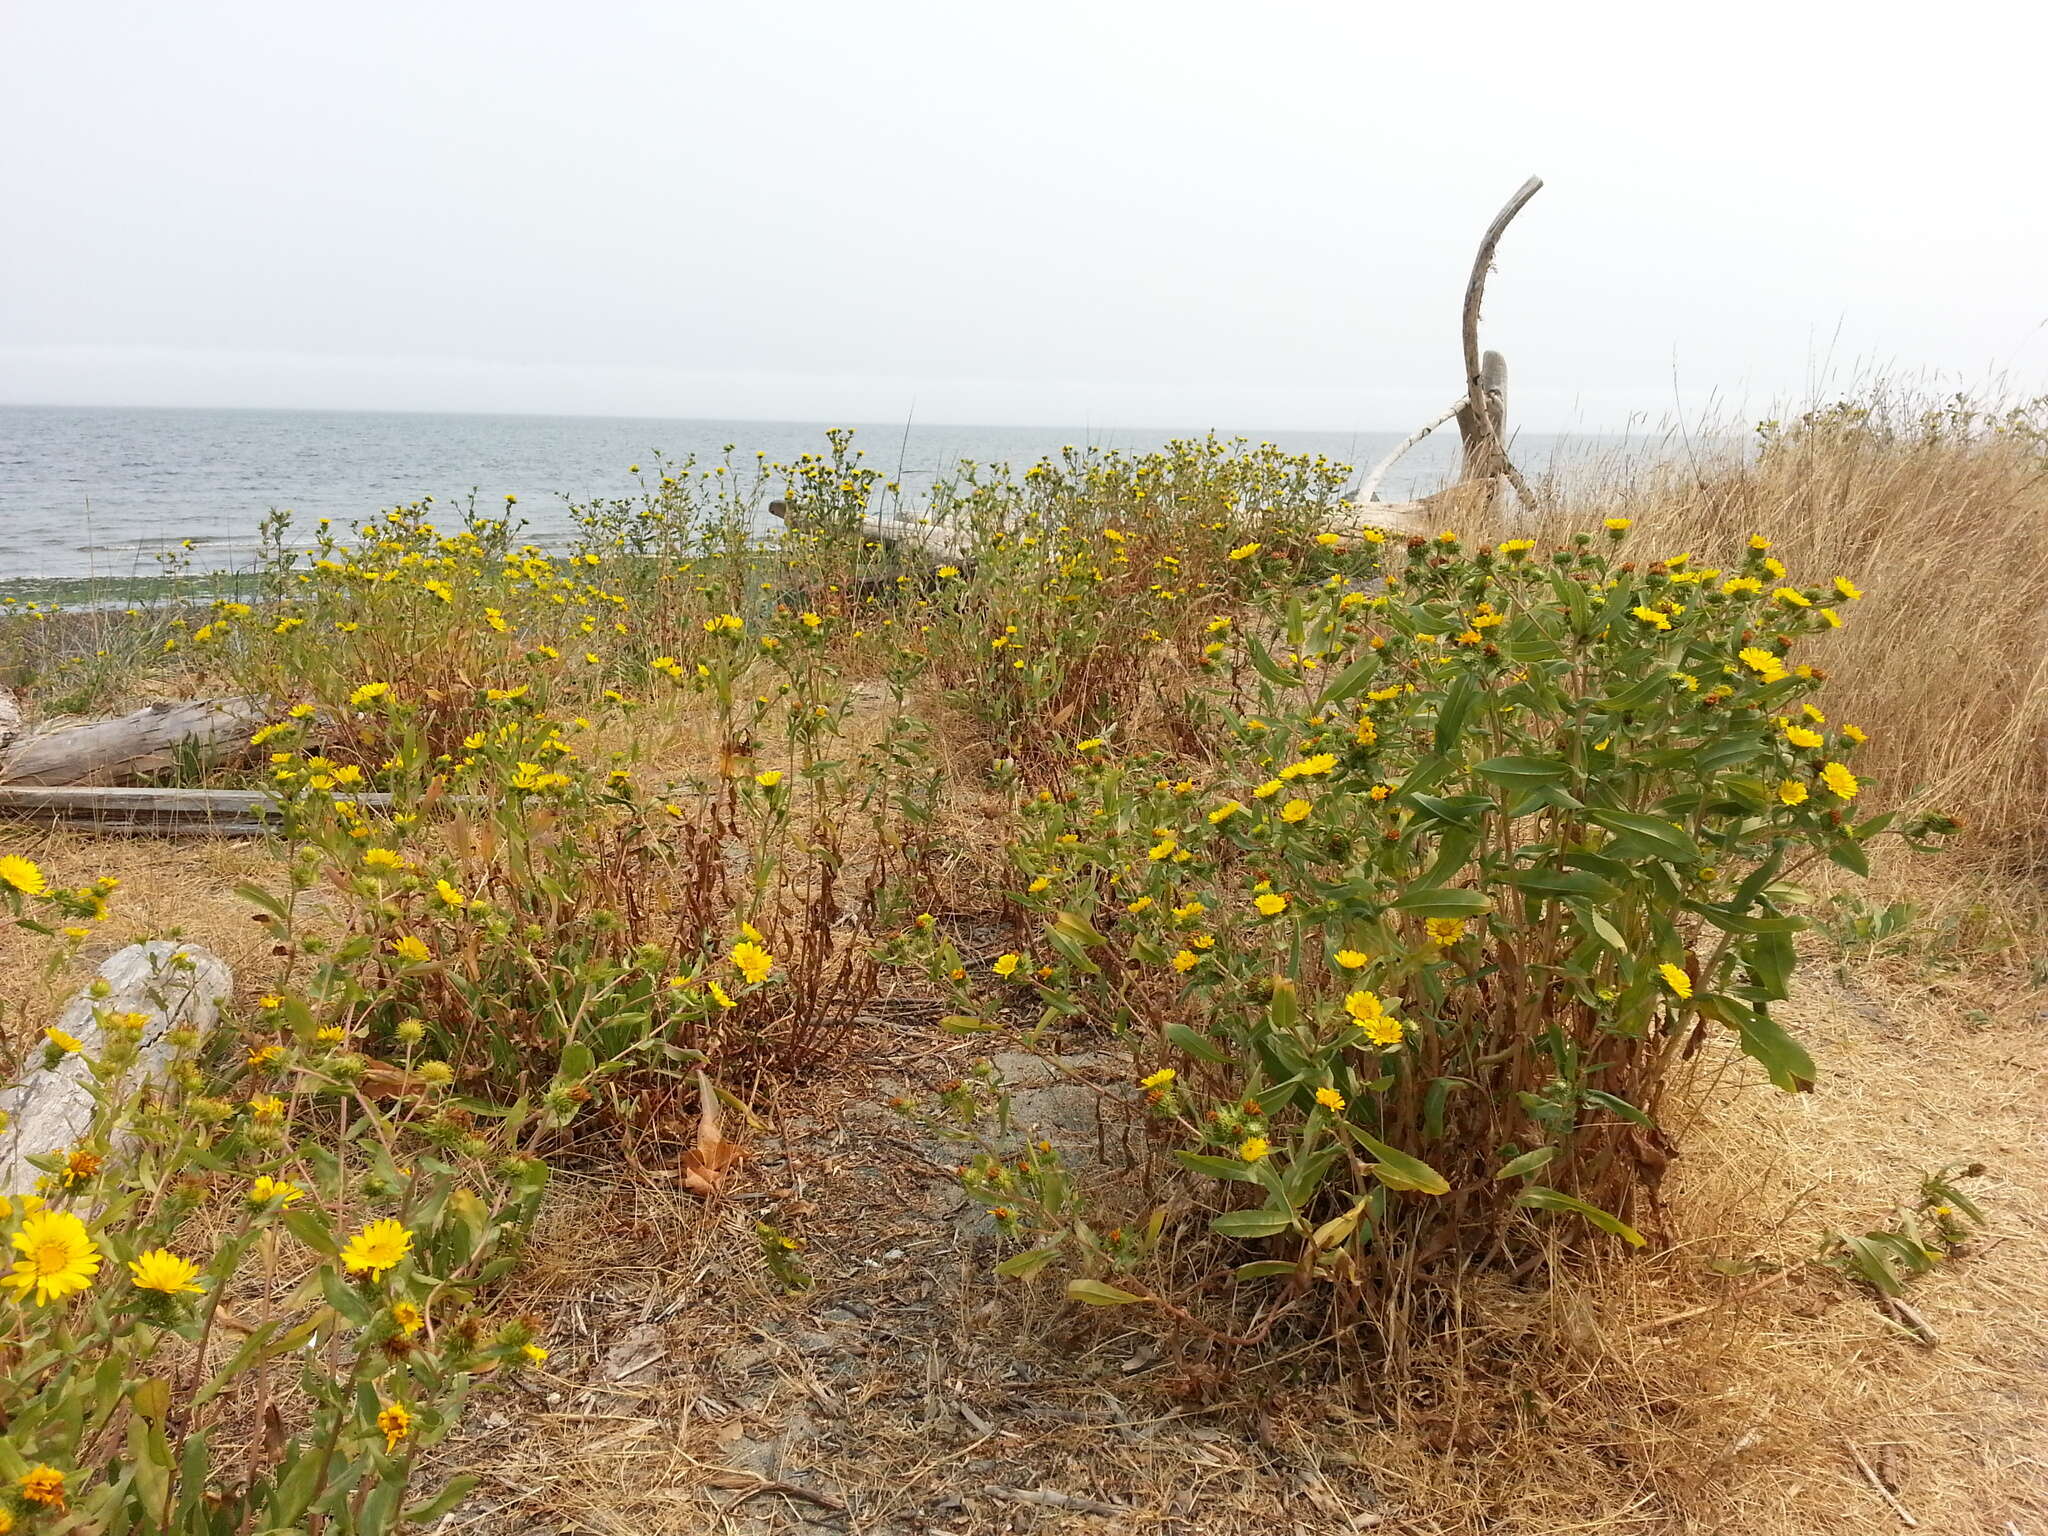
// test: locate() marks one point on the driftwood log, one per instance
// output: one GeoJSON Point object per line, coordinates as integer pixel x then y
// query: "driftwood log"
{"type": "Point", "coordinates": [153, 812]}
{"type": "Point", "coordinates": [926, 544]}
{"type": "Point", "coordinates": [50, 1109]}
{"type": "Point", "coordinates": [201, 731]}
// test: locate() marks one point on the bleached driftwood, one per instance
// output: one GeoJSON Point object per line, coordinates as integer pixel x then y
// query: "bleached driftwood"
{"type": "Point", "coordinates": [10, 720]}
{"type": "Point", "coordinates": [102, 751]}
{"type": "Point", "coordinates": [1369, 487]}
{"type": "Point", "coordinates": [1483, 421]}
{"type": "Point", "coordinates": [155, 812]}
{"type": "Point", "coordinates": [928, 543]}
{"type": "Point", "coordinates": [51, 1108]}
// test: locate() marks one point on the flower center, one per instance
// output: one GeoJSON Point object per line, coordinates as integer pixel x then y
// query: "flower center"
{"type": "Point", "coordinates": [52, 1258]}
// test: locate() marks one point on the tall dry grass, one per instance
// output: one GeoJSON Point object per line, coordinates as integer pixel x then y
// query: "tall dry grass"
{"type": "Point", "coordinates": [1938, 510]}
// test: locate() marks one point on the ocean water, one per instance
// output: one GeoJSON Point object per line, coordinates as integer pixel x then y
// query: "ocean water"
{"type": "Point", "coordinates": [101, 491]}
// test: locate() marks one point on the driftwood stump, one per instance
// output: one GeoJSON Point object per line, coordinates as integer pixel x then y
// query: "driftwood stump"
{"type": "Point", "coordinates": [51, 1108]}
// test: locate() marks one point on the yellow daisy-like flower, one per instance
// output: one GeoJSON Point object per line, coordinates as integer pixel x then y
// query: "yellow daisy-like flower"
{"type": "Point", "coordinates": [162, 1270]}
{"type": "Point", "coordinates": [1676, 979]}
{"type": "Point", "coordinates": [369, 693]}
{"type": "Point", "coordinates": [1350, 959]}
{"type": "Point", "coordinates": [719, 995]}
{"type": "Point", "coordinates": [1158, 1079]}
{"type": "Point", "coordinates": [1765, 664]}
{"type": "Point", "coordinates": [769, 779]}
{"type": "Point", "coordinates": [1006, 965]}
{"type": "Point", "coordinates": [449, 895]}
{"type": "Point", "coordinates": [1267, 790]}
{"type": "Point", "coordinates": [1252, 1148]}
{"type": "Point", "coordinates": [1089, 745]}
{"type": "Point", "coordinates": [43, 1485]}
{"type": "Point", "coordinates": [1855, 734]}
{"type": "Point", "coordinates": [1329, 1098]}
{"type": "Point", "coordinates": [534, 1354]}
{"type": "Point", "coordinates": [22, 874]}
{"type": "Point", "coordinates": [1224, 812]}
{"type": "Point", "coordinates": [395, 1421]}
{"type": "Point", "coordinates": [63, 1039]}
{"type": "Point", "coordinates": [1800, 736]}
{"type": "Point", "coordinates": [1848, 588]}
{"type": "Point", "coordinates": [1792, 597]}
{"type": "Point", "coordinates": [1295, 810]}
{"type": "Point", "coordinates": [409, 1318]}
{"type": "Point", "coordinates": [1270, 904]}
{"type": "Point", "coordinates": [1244, 551]}
{"type": "Point", "coordinates": [1139, 905]}
{"type": "Point", "coordinates": [1652, 617]}
{"type": "Point", "coordinates": [752, 961]}
{"type": "Point", "coordinates": [411, 948]}
{"type": "Point", "coordinates": [377, 1248]}
{"type": "Point", "coordinates": [59, 1257]}
{"type": "Point", "coordinates": [1444, 931]}
{"type": "Point", "coordinates": [268, 1108]}
{"type": "Point", "coordinates": [1839, 780]}
{"type": "Point", "coordinates": [1758, 541]}
{"type": "Point", "coordinates": [1792, 792]}
{"type": "Point", "coordinates": [1619, 524]}
{"type": "Point", "coordinates": [1186, 960]}
{"type": "Point", "coordinates": [264, 1189]}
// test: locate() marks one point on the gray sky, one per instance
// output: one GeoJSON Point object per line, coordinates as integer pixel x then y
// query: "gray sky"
{"type": "Point", "coordinates": [1177, 213]}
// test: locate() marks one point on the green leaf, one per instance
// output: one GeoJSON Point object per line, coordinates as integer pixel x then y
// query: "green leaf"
{"type": "Point", "coordinates": [1022, 1266]}
{"type": "Point", "coordinates": [1217, 1167]}
{"type": "Point", "coordinates": [966, 1024]}
{"type": "Point", "coordinates": [1258, 1223]}
{"type": "Point", "coordinates": [1265, 1269]}
{"type": "Point", "coordinates": [1076, 927]}
{"type": "Point", "coordinates": [1541, 1198]}
{"type": "Point", "coordinates": [1452, 713]}
{"type": "Point", "coordinates": [1619, 1106]}
{"type": "Point", "coordinates": [1409, 1172]}
{"type": "Point", "coordinates": [1639, 836]}
{"type": "Point", "coordinates": [1351, 679]}
{"type": "Point", "coordinates": [441, 1503]}
{"type": "Point", "coordinates": [1197, 1045]}
{"type": "Point", "coordinates": [1527, 1163]}
{"type": "Point", "coordinates": [1522, 772]}
{"type": "Point", "coordinates": [1443, 902]}
{"type": "Point", "coordinates": [1266, 667]}
{"type": "Point", "coordinates": [1562, 882]}
{"type": "Point", "coordinates": [1732, 920]}
{"type": "Point", "coordinates": [1783, 1058]}
{"type": "Point", "coordinates": [1097, 1294]}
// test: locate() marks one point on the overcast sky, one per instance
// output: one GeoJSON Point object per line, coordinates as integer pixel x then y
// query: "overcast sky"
{"type": "Point", "coordinates": [1129, 212]}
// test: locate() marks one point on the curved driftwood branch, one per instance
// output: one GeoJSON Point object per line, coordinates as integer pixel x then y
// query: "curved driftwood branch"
{"type": "Point", "coordinates": [1370, 485]}
{"type": "Point", "coordinates": [1483, 432]}
{"type": "Point", "coordinates": [923, 541]}
{"type": "Point", "coordinates": [51, 1108]}
{"type": "Point", "coordinates": [102, 751]}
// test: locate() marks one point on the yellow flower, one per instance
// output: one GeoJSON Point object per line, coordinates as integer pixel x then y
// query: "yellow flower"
{"type": "Point", "coordinates": [1350, 959]}
{"type": "Point", "coordinates": [409, 1318]}
{"type": "Point", "coordinates": [449, 895]}
{"type": "Point", "coordinates": [1329, 1098]}
{"type": "Point", "coordinates": [1759, 542]}
{"type": "Point", "coordinates": [368, 693]}
{"type": "Point", "coordinates": [1162, 849]}
{"type": "Point", "coordinates": [1620, 524]}
{"type": "Point", "coordinates": [1252, 1148]}
{"type": "Point", "coordinates": [1764, 663]}
{"type": "Point", "coordinates": [1380, 1026]}
{"type": "Point", "coordinates": [1855, 734]}
{"type": "Point", "coordinates": [43, 1485]}
{"type": "Point", "coordinates": [1651, 616]}
{"type": "Point", "coordinates": [1295, 810]}
{"type": "Point", "coordinates": [377, 1248]}
{"type": "Point", "coordinates": [1089, 745]}
{"type": "Point", "coordinates": [1267, 790]}
{"type": "Point", "coordinates": [1847, 588]}
{"type": "Point", "coordinates": [534, 1354]}
{"type": "Point", "coordinates": [769, 779]}
{"type": "Point", "coordinates": [1186, 960]}
{"type": "Point", "coordinates": [162, 1270]}
{"type": "Point", "coordinates": [1839, 780]}
{"type": "Point", "coordinates": [1800, 736]}
{"type": "Point", "coordinates": [411, 948]}
{"type": "Point", "coordinates": [720, 996]}
{"type": "Point", "coordinates": [1042, 884]}
{"type": "Point", "coordinates": [1792, 597]}
{"type": "Point", "coordinates": [22, 874]}
{"type": "Point", "coordinates": [1676, 979]}
{"type": "Point", "coordinates": [60, 1257]}
{"type": "Point", "coordinates": [1139, 905]}
{"type": "Point", "coordinates": [1158, 1079]}
{"type": "Point", "coordinates": [1792, 792]}
{"type": "Point", "coordinates": [62, 1040]}
{"type": "Point", "coordinates": [1444, 930]}
{"type": "Point", "coordinates": [1244, 551]}
{"type": "Point", "coordinates": [752, 961]}
{"type": "Point", "coordinates": [1006, 965]}
{"type": "Point", "coordinates": [1834, 619]}
{"type": "Point", "coordinates": [395, 1420]}
{"type": "Point", "coordinates": [948, 572]}
{"type": "Point", "coordinates": [264, 1189]}
{"type": "Point", "coordinates": [1270, 904]}
{"type": "Point", "coordinates": [1224, 812]}
{"type": "Point", "coordinates": [1512, 547]}
{"type": "Point", "coordinates": [268, 1108]}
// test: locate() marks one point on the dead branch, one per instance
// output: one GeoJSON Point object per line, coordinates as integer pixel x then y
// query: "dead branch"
{"type": "Point", "coordinates": [1478, 419]}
